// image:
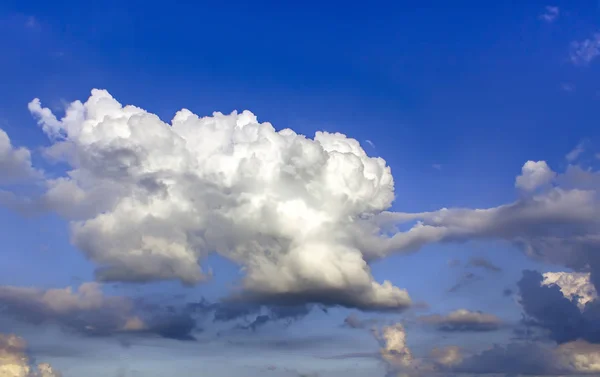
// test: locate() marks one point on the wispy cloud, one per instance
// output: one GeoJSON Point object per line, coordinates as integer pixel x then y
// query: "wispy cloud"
{"type": "Point", "coordinates": [567, 87]}
{"type": "Point", "coordinates": [577, 151]}
{"type": "Point", "coordinates": [584, 52]}
{"type": "Point", "coordinates": [550, 14]}
{"type": "Point", "coordinates": [31, 22]}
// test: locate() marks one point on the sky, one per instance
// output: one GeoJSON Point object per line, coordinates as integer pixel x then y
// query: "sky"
{"type": "Point", "coordinates": [328, 189]}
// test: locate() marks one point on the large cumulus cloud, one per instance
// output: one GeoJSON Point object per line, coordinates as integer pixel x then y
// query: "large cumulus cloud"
{"type": "Point", "coordinates": [149, 200]}
{"type": "Point", "coordinates": [301, 217]}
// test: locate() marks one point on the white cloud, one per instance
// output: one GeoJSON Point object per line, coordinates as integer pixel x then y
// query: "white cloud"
{"type": "Point", "coordinates": [550, 14]}
{"type": "Point", "coordinates": [15, 163]}
{"type": "Point", "coordinates": [14, 361]}
{"type": "Point", "coordinates": [150, 200]}
{"type": "Point", "coordinates": [573, 285]}
{"type": "Point", "coordinates": [533, 175]}
{"type": "Point", "coordinates": [585, 51]}
{"type": "Point", "coordinates": [576, 152]}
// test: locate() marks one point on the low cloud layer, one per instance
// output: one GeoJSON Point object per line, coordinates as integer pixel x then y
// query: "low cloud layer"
{"type": "Point", "coordinates": [463, 321]}
{"type": "Point", "coordinates": [89, 311]}
{"type": "Point", "coordinates": [14, 361]}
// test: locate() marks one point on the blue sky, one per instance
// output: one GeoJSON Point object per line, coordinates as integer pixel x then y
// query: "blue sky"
{"type": "Point", "coordinates": [455, 97]}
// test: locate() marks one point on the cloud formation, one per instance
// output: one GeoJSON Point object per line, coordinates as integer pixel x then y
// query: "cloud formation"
{"type": "Point", "coordinates": [15, 163]}
{"type": "Point", "coordinates": [534, 175]}
{"type": "Point", "coordinates": [576, 286]}
{"type": "Point", "coordinates": [149, 200]}
{"type": "Point", "coordinates": [302, 217]}
{"type": "Point", "coordinates": [14, 361]}
{"type": "Point", "coordinates": [559, 224]}
{"type": "Point", "coordinates": [550, 14]}
{"type": "Point", "coordinates": [394, 349]}
{"type": "Point", "coordinates": [533, 359]}
{"type": "Point", "coordinates": [519, 358]}
{"type": "Point", "coordinates": [584, 52]}
{"type": "Point", "coordinates": [463, 320]}
{"type": "Point", "coordinates": [565, 305]}
{"type": "Point", "coordinates": [89, 311]}
{"type": "Point", "coordinates": [484, 264]}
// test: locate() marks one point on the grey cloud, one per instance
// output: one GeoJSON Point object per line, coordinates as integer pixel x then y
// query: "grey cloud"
{"type": "Point", "coordinates": [463, 321]}
{"type": "Point", "coordinates": [354, 322]}
{"type": "Point", "coordinates": [483, 263]}
{"type": "Point", "coordinates": [267, 200]}
{"type": "Point", "coordinates": [533, 359]}
{"type": "Point", "coordinates": [547, 307]}
{"type": "Point", "coordinates": [90, 312]}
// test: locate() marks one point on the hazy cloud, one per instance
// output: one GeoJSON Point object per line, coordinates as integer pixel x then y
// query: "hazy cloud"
{"type": "Point", "coordinates": [89, 311]}
{"type": "Point", "coordinates": [550, 14]}
{"type": "Point", "coordinates": [282, 205]}
{"type": "Point", "coordinates": [463, 320]}
{"type": "Point", "coordinates": [584, 52]}
{"type": "Point", "coordinates": [15, 163]}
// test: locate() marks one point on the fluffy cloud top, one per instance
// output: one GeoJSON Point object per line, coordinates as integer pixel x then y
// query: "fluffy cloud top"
{"type": "Point", "coordinates": [573, 285]}
{"type": "Point", "coordinates": [14, 361]}
{"type": "Point", "coordinates": [149, 200]}
{"type": "Point", "coordinates": [585, 51]}
{"type": "Point", "coordinates": [533, 175]}
{"type": "Point", "coordinates": [302, 217]}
